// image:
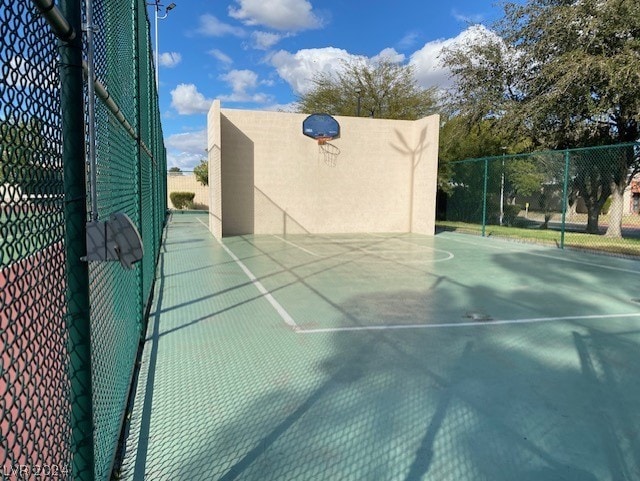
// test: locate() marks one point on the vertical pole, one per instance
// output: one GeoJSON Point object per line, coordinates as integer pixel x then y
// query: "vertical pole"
{"type": "Point", "coordinates": [77, 280]}
{"type": "Point", "coordinates": [155, 9]}
{"type": "Point", "coordinates": [138, 40]}
{"type": "Point", "coordinates": [565, 203]}
{"type": "Point", "coordinates": [484, 197]}
{"type": "Point", "coordinates": [502, 192]}
{"type": "Point", "coordinates": [91, 113]}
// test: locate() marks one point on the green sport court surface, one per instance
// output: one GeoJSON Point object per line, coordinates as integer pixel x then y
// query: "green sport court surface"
{"type": "Point", "coordinates": [386, 357]}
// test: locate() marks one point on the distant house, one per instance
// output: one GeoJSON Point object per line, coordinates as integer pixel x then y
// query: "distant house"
{"type": "Point", "coordinates": [632, 197]}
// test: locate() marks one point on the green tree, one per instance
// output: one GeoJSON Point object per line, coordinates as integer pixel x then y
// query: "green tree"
{"type": "Point", "coordinates": [201, 172]}
{"type": "Point", "coordinates": [565, 74]}
{"type": "Point", "coordinates": [175, 171]}
{"type": "Point", "coordinates": [25, 159]}
{"type": "Point", "coordinates": [383, 88]}
{"type": "Point", "coordinates": [460, 139]}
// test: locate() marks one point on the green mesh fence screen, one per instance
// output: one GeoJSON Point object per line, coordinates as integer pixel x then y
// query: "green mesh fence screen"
{"type": "Point", "coordinates": [35, 426]}
{"type": "Point", "coordinates": [66, 367]}
{"type": "Point", "coordinates": [582, 198]}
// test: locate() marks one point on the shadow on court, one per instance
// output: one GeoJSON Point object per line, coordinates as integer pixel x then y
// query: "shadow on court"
{"type": "Point", "coordinates": [228, 391]}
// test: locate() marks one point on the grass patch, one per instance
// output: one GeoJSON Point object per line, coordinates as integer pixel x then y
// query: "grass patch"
{"type": "Point", "coordinates": [576, 240]}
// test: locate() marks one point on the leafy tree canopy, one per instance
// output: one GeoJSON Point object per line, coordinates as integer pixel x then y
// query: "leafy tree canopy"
{"type": "Point", "coordinates": [384, 88]}
{"type": "Point", "coordinates": [461, 138]}
{"type": "Point", "coordinates": [201, 172]}
{"type": "Point", "coordinates": [564, 73]}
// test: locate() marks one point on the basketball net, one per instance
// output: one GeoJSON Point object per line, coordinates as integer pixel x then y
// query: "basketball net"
{"type": "Point", "coordinates": [328, 152]}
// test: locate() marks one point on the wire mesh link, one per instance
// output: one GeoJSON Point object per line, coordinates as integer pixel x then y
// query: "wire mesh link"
{"type": "Point", "coordinates": [37, 345]}
{"type": "Point", "coordinates": [581, 198]}
{"type": "Point", "coordinates": [126, 180]}
{"type": "Point", "coordinates": [35, 424]}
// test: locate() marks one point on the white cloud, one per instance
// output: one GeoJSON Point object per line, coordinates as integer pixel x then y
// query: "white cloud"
{"type": "Point", "coordinates": [185, 150]}
{"type": "Point", "coordinates": [184, 160]}
{"type": "Point", "coordinates": [242, 83]}
{"type": "Point", "coordinates": [169, 59]}
{"type": "Point", "coordinates": [241, 80]}
{"type": "Point", "coordinates": [299, 69]}
{"type": "Point", "coordinates": [389, 54]}
{"type": "Point", "coordinates": [24, 73]}
{"type": "Point", "coordinates": [221, 57]}
{"type": "Point", "coordinates": [284, 15]}
{"type": "Point", "coordinates": [265, 40]}
{"type": "Point", "coordinates": [470, 19]}
{"type": "Point", "coordinates": [192, 142]}
{"type": "Point", "coordinates": [429, 70]}
{"type": "Point", "coordinates": [212, 27]}
{"type": "Point", "coordinates": [408, 41]}
{"type": "Point", "coordinates": [256, 98]}
{"type": "Point", "coordinates": [186, 99]}
{"type": "Point", "coordinates": [290, 107]}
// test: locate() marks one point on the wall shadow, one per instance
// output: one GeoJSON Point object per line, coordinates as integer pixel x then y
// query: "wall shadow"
{"type": "Point", "coordinates": [274, 218]}
{"type": "Point", "coordinates": [237, 172]}
{"type": "Point", "coordinates": [415, 155]}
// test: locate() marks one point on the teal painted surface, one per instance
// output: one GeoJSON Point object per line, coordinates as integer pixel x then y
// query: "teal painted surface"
{"type": "Point", "coordinates": [228, 391]}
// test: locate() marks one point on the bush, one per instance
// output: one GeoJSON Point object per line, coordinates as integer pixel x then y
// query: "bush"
{"type": "Point", "coordinates": [511, 212]}
{"type": "Point", "coordinates": [182, 200]}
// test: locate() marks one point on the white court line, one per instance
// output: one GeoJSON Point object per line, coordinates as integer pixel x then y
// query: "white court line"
{"type": "Point", "coordinates": [449, 254]}
{"type": "Point", "coordinates": [523, 251]}
{"type": "Point", "coordinates": [374, 253]}
{"type": "Point", "coordinates": [296, 246]}
{"type": "Point", "coordinates": [286, 317]}
{"type": "Point", "coordinates": [462, 324]}
{"type": "Point", "coordinates": [387, 256]}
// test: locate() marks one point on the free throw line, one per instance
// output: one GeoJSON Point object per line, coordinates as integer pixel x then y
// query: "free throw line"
{"type": "Point", "coordinates": [296, 246]}
{"type": "Point", "coordinates": [286, 317]}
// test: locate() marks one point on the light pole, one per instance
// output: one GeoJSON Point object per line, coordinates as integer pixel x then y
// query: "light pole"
{"type": "Point", "coordinates": [358, 92]}
{"type": "Point", "coordinates": [157, 6]}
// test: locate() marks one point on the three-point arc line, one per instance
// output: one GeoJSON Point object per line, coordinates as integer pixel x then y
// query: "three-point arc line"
{"type": "Point", "coordinates": [288, 319]}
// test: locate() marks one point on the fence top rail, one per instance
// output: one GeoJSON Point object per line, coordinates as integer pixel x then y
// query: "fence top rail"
{"type": "Point", "coordinates": [546, 152]}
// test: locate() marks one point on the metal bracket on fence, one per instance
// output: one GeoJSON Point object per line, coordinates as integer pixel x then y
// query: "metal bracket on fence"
{"type": "Point", "coordinates": [116, 239]}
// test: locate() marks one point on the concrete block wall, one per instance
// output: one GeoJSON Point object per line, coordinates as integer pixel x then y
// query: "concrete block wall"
{"type": "Point", "coordinates": [187, 182]}
{"type": "Point", "coordinates": [266, 177]}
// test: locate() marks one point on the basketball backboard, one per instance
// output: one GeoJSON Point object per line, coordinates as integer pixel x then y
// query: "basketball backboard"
{"type": "Point", "coordinates": [321, 126]}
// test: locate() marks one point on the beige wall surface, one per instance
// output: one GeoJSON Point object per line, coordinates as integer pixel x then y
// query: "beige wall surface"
{"type": "Point", "coordinates": [215, 169]}
{"type": "Point", "coordinates": [379, 176]}
{"type": "Point", "coordinates": [187, 182]}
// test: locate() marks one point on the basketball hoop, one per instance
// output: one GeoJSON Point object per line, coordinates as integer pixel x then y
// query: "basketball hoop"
{"type": "Point", "coordinates": [323, 128]}
{"type": "Point", "coordinates": [328, 151]}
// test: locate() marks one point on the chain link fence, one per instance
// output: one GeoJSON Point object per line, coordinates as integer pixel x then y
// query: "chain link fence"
{"type": "Point", "coordinates": [70, 329]}
{"type": "Point", "coordinates": [581, 198]}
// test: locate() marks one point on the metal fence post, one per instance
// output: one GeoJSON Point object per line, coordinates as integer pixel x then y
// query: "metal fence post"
{"type": "Point", "coordinates": [484, 197]}
{"type": "Point", "coordinates": [565, 189]}
{"type": "Point", "coordinates": [75, 209]}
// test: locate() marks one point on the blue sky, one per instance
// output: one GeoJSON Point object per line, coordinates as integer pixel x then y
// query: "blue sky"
{"type": "Point", "coordinates": [261, 54]}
